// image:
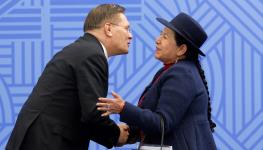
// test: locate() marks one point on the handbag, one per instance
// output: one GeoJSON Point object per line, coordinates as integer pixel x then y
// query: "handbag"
{"type": "Point", "coordinates": [156, 147]}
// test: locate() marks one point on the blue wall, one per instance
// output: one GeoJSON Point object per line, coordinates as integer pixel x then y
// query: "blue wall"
{"type": "Point", "coordinates": [32, 31]}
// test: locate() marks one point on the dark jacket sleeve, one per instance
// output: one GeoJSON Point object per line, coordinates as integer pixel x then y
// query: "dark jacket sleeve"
{"type": "Point", "coordinates": [92, 83]}
{"type": "Point", "coordinates": [134, 135]}
{"type": "Point", "coordinates": [175, 88]}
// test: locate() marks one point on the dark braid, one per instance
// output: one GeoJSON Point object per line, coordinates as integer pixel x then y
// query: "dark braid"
{"type": "Point", "coordinates": [202, 74]}
{"type": "Point", "coordinates": [192, 55]}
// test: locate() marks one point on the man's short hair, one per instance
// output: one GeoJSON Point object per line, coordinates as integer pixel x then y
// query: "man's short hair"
{"type": "Point", "coordinates": [100, 14]}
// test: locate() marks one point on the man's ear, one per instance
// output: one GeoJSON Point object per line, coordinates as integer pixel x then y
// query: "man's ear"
{"type": "Point", "coordinates": [108, 29]}
{"type": "Point", "coordinates": [182, 50]}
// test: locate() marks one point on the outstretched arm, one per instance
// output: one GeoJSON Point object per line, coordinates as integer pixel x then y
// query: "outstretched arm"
{"type": "Point", "coordinates": [111, 105]}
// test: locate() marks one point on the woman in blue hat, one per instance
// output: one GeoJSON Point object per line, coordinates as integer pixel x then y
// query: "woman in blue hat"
{"type": "Point", "coordinates": [178, 93]}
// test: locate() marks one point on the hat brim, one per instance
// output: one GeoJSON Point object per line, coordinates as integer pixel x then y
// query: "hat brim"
{"type": "Point", "coordinates": [169, 25]}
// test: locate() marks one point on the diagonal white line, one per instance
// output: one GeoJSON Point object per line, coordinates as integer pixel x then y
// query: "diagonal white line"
{"type": "Point", "coordinates": [148, 71]}
{"type": "Point", "coordinates": [250, 13]}
{"type": "Point", "coordinates": [6, 7]}
{"type": "Point", "coordinates": [257, 4]}
{"type": "Point", "coordinates": [227, 138]}
{"type": "Point", "coordinates": [253, 139]}
{"type": "Point", "coordinates": [251, 127]}
{"type": "Point", "coordinates": [215, 37]}
{"type": "Point", "coordinates": [241, 27]}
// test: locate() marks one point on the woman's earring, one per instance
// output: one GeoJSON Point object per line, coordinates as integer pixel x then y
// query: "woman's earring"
{"type": "Point", "coordinates": [176, 60]}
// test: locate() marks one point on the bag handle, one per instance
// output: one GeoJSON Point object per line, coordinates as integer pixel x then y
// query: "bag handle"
{"type": "Point", "coordinates": [162, 134]}
{"type": "Point", "coordinates": [162, 127]}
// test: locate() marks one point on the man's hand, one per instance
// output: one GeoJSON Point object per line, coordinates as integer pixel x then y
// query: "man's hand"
{"type": "Point", "coordinates": [124, 134]}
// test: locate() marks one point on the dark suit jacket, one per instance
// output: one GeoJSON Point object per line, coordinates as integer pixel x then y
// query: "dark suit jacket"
{"type": "Point", "coordinates": [61, 111]}
{"type": "Point", "coordinates": [181, 98]}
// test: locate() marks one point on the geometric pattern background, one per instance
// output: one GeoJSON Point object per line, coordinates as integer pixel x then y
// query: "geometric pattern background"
{"type": "Point", "coordinates": [32, 31]}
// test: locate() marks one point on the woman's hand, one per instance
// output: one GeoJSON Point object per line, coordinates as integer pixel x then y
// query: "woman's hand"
{"type": "Point", "coordinates": [111, 105]}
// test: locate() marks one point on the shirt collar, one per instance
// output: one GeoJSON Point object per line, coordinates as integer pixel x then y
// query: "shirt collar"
{"type": "Point", "coordinates": [105, 50]}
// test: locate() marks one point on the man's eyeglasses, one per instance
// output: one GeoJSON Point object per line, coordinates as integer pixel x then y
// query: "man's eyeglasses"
{"type": "Point", "coordinates": [126, 28]}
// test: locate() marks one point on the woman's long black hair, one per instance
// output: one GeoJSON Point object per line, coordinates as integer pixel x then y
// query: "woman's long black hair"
{"type": "Point", "coordinates": [192, 55]}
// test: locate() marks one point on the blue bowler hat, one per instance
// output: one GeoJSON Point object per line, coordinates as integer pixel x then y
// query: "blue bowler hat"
{"type": "Point", "coordinates": [188, 28]}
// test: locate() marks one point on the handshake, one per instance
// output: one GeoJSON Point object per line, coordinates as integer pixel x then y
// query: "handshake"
{"type": "Point", "coordinates": [124, 134]}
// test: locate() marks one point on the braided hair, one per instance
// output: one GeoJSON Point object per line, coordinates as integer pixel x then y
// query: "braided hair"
{"type": "Point", "coordinates": [192, 55]}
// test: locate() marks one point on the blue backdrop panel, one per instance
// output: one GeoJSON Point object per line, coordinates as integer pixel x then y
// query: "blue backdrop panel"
{"type": "Point", "coordinates": [32, 31]}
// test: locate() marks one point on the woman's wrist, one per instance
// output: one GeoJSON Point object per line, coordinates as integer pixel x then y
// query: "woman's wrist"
{"type": "Point", "coordinates": [122, 105]}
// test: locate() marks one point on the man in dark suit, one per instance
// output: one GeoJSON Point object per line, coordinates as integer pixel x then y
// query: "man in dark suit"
{"type": "Point", "coordinates": [61, 112]}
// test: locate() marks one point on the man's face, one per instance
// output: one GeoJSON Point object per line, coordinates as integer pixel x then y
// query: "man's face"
{"type": "Point", "coordinates": [121, 35]}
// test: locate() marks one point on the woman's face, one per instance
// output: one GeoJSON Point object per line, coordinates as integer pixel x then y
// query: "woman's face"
{"type": "Point", "coordinates": [166, 47]}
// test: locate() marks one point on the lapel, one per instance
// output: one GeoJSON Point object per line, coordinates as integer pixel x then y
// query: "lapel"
{"type": "Point", "coordinates": [154, 81]}
{"type": "Point", "coordinates": [151, 83]}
